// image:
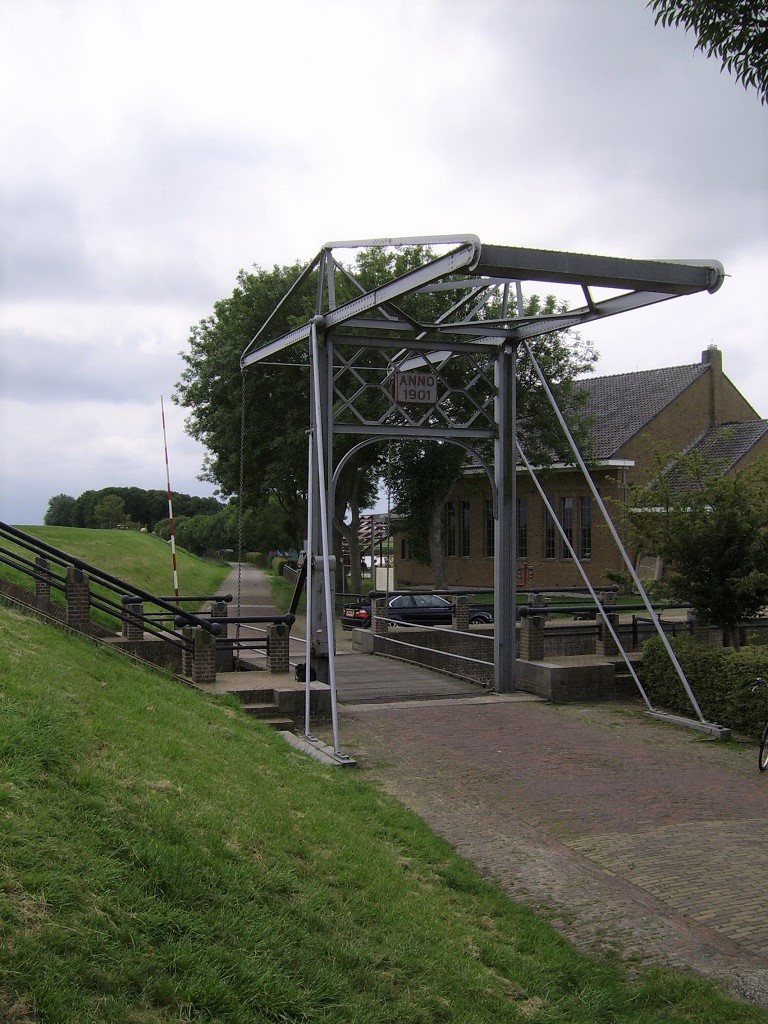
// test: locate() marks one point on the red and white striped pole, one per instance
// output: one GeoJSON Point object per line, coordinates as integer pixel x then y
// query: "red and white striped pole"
{"type": "Point", "coordinates": [170, 506]}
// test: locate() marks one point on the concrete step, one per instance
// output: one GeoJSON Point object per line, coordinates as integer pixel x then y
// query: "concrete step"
{"type": "Point", "coordinates": [268, 713]}
{"type": "Point", "coordinates": [260, 696]}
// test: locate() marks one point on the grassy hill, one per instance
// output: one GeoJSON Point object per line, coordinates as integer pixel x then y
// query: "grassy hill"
{"type": "Point", "coordinates": [165, 858]}
{"type": "Point", "coordinates": [139, 558]}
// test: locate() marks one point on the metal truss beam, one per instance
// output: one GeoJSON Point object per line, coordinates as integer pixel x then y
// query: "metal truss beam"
{"type": "Point", "coordinates": [675, 277]}
{"type": "Point", "coordinates": [485, 268]}
{"type": "Point", "coordinates": [403, 430]}
{"type": "Point", "coordinates": [411, 281]}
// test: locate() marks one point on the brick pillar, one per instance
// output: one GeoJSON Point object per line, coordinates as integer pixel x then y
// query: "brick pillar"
{"type": "Point", "coordinates": [277, 649]}
{"type": "Point", "coordinates": [461, 613]}
{"type": "Point", "coordinates": [42, 585]}
{"type": "Point", "coordinates": [699, 628]}
{"type": "Point", "coordinates": [379, 623]}
{"type": "Point", "coordinates": [133, 627]}
{"type": "Point", "coordinates": [187, 652]}
{"type": "Point", "coordinates": [77, 592]}
{"type": "Point", "coordinates": [204, 656]}
{"type": "Point", "coordinates": [225, 661]}
{"type": "Point", "coordinates": [606, 645]}
{"type": "Point", "coordinates": [532, 632]}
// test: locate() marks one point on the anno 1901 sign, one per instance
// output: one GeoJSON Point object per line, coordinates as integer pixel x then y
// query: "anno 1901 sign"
{"type": "Point", "coordinates": [420, 387]}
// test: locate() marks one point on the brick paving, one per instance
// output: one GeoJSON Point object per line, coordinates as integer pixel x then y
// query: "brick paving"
{"type": "Point", "coordinates": [629, 835]}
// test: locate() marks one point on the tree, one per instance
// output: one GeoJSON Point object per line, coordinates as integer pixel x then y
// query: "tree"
{"type": "Point", "coordinates": [734, 31]}
{"type": "Point", "coordinates": [275, 399]}
{"type": "Point", "coordinates": [60, 510]}
{"type": "Point", "coordinates": [144, 507]}
{"type": "Point", "coordinates": [712, 532]}
{"type": "Point", "coordinates": [110, 512]}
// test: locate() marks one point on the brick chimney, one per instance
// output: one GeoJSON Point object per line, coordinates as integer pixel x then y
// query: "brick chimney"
{"type": "Point", "coordinates": [714, 357]}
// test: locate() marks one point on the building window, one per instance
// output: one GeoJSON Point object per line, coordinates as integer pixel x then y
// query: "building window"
{"type": "Point", "coordinates": [449, 529]}
{"type": "Point", "coordinates": [522, 527]}
{"type": "Point", "coordinates": [465, 527]}
{"type": "Point", "coordinates": [566, 520]}
{"type": "Point", "coordinates": [585, 529]}
{"type": "Point", "coordinates": [405, 549]}
{"type": "Point", "coordinates": [550, 533]}
{"type": "Point", "coordinates": [489, 540]}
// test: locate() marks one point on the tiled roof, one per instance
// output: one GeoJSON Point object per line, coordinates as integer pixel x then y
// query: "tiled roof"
{"type": "Point", "coordinates": [620, 406]}
{"type": "Point", "coordinates": [727, 443]}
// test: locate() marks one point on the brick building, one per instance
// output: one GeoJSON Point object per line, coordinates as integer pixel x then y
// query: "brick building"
{"type": "Point", "coordinates": [633, 417]}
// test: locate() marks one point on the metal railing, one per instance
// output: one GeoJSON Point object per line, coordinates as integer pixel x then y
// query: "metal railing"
{"type": "Point", "coordinates": [160, 617]}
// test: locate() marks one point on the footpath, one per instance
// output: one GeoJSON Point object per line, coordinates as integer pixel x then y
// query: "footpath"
{"type": "Point", "coordinates": [630, 835]}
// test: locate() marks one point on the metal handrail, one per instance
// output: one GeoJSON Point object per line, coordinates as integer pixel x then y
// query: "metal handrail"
{"type": "Point", "coordinates": [106, 580]}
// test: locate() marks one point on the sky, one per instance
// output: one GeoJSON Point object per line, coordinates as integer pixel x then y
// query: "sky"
{"type": "Point", "coordinates": [151, 149]}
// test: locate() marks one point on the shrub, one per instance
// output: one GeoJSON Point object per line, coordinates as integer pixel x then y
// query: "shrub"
{"type": "Point", "coordinates": [257, 558]}
{"type": "Point", "coordinates": [721, 677]}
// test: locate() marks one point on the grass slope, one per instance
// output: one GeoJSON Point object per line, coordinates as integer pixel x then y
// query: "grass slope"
{"type": "Point", "coordinates": [138, 558]}
{"type": "Point", "coordinates": [165, 858]}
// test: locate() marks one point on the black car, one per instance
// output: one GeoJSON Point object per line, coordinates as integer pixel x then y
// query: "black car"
{"type": "Point", "coordinates": [415, 609]}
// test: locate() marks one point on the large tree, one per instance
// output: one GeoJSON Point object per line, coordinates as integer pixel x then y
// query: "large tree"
{"type": "Point", "coordinates": [269, 401]}
{"type": "Point", "coordinates": [734, 31]}
{"type": "Point", "coordinates": [423, 474]}
{"type": "Point", "coordinates": [712, 532]}
{"type": "Point", "coordinates": [60, 510]}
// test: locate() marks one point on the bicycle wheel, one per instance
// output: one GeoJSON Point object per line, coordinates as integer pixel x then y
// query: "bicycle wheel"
{"type": "Point", "coordinates": [762, 757]}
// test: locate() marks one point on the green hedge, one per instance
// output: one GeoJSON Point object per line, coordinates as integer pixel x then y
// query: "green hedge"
{"type": "Point", "coordinates": [257, 558]}
{"type": "Point", "coordinates": [721, 677]}
{"type": "Point", "coordinates": [278, 562]}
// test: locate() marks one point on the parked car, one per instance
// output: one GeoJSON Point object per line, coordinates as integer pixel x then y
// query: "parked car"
{"type": "Point", "coordinates": [415, 609]}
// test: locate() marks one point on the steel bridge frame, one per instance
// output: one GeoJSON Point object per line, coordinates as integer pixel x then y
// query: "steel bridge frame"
{"type": "Point", "coordinates": [357, 346]}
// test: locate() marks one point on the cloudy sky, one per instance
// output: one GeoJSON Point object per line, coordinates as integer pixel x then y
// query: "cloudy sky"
{"type": "Point", "coordinates": [152, 148]}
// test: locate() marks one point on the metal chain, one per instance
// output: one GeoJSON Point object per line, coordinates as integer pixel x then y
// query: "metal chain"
{"type": "Point", "coordinates": [240, 507]}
